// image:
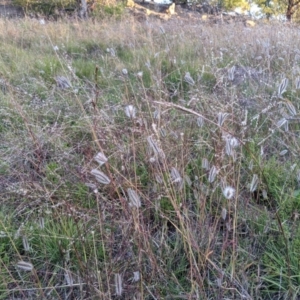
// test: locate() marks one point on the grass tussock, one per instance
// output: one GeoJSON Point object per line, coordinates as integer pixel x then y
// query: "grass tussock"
{"type": "Point", "coordinates": [149, 161]}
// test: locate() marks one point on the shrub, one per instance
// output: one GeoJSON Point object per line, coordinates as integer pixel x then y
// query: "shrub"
{"type": "Point", "coordinates": [46, 7]}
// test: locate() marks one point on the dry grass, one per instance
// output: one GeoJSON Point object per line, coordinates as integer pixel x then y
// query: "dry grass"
{"type": "Point", "coordinates": [199, 192]}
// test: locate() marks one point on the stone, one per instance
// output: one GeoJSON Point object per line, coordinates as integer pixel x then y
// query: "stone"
{"type": "Point", "coordinates": [130, 3]}
{"type": "Point", "coordinates": [171, 9]}
{"type": "Point", "coordinates": [250, 23]}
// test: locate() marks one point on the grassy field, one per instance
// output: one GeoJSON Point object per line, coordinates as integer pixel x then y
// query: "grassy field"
{"type": "Point", "coordinates": [155, 160]}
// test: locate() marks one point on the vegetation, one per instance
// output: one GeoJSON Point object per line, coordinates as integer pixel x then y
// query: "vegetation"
{"type": "Point", "coordinates": [63, 7]}
{"type": "Point", "coordinates": [289, 8]}
{"type": "Point", "coordinates": [149, 160]}
{"type": "Point", "coordinates": [46, 7]}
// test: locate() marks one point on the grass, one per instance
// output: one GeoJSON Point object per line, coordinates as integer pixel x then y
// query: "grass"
{"type": "Point", "coordinates": [198, 191]}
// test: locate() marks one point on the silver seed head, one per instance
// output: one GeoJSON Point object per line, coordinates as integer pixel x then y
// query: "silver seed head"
{"type": "Point", "coordinates": [254, 183]}
{"type": "Point", "coordinates": [212, 174]}
{"type": "Point", "coordinates": [188, 78]}
{"type": "Point", "coordinates": [221, 118]}
{"type": "Point", "coordinates": [26, 266]}
{"type": "Point", "coordinates": [205, 164]}
{"type": "Point", "coordinates": [229, 192]}
{"type": "Point", "coordinates": [100, 176]}
{"type": "Point", "coordinates": [134, 198]}
{"type": "Point", "coordinates": [100, 158]}
{"type": "Point", "coordinates": [130, 111]}
{"type": "Point", "coordinates": [118, 284]}
{"type": "Point", "coordinates": [176, 178]}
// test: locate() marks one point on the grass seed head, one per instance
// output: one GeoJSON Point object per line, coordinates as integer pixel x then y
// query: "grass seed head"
{"type": "Point", "coordinates": [281, 122]}
{"type": "Point", "coordinates": [100, 176]}
{"type": "Point", "coordinates": [283, 152]}
{"type": "Point", "coordinates": [291, 108]}
{"type": "Point", "coordinates": [134, 198]}
{"type": "Point", "coordinates": [282, 87]}
{"type": "Point", "coordinates": [69, 278]}
{"type": "Point", "coordinates": [118, 284]}
{"type": "Point", "coordinates": [212, 174]}
{"type": "Point", "coordinates": [205, 164]}
{"type": "Point", "coordinates": [254, 183]}
{"type": "Point", "coordinates": [200, 122]}
{"type": "Point", "coordinates": [229, 192]}
{"type": "Point", "coordinates": [297, 83]}
{"type": "Point", "coordinates": [136, 276]}
{"type": "Point", "coordinates": [63, 82]}
{"type": "Point", "coordinates": [224, 213]}
{"type": "Point", "coordinates": [231, 73]}
{"type": "Point", "coordinates": [25, 243]}
{"type": "Point", "coordinates": [26, 266]}
{"type": "Point", "coordinates": [221, 118]}
{"type": "Point", "coordinates": [175, 176]}
{"type": "Point", "coordinates": [188, 78]}
{"type": "Point", "coordinates": [155, 147]}
{"type": "Point", "coordinates": [100, 158]}
{"type": "Point", "coordinates": [130, 111]}
{"type": "Point", "coordinates": [158, 178]}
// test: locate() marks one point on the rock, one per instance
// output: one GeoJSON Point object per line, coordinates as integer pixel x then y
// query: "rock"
{"type": "Point", "coordinates": [130, 3]}
{"type": "Point", "coordinates": [250, 23]}
{"type": "Point", "coordinates": [171, 9]}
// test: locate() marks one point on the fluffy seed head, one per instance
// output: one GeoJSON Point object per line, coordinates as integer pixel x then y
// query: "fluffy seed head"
{"type": "Point", "coordinates": [26, 266]}
{"type": "Point", "coordinates": [188, 78]}
{"type": "Point", "coordinates": [130, 111]}
{"type": "Point", "coordinates": [136, 276]}
{"type": "Point", "coordinates": [291, 108]}
{"type": "Point", "coordinates": [250, 167]}
{"type": "Point", "coordinates": [212, 174]}
{"type": "Point", "coordinates": [283, 152]}
{"type": "Point", "coordinates": [224, 213]}
{"type": "Point", "coordinates": [69, 278]}
{"type": "Point", "coordinates": [297, 83]}
{"type": "Point", "coordinates": [282, 87]}
{"type": "Point", "coordinates": [200, 122]}
{"type": "Point", "coordinates": [134, 198]}
{"type": "Point", "coordinates": [41, 222]}
{"type": "Point", "coordinates": [231, 73]}
{"type": "Point", "coordinates": [159, 179]}
{"type": "Point", "coordinates": [100, 176]}
{"type": "Point", "coordinates": [155, 147]}
{"type": "Point", "coordinates": [152, 160]}
{"type": "Point", "coordinates": [118, 284]}
{"type": "Point", "coordinates": [221, 118]}
{"type": "Point", "coordinates": [25, 243]}
{"type": "Point", "coordinates": [229, 192]}
{"type": "Point", "coordinates": [100, 158]}
{"type": "Point", "coordinates": [175, 176]}
{"type": "Point", "coordinates": [63, 82]}
{"type": "Point", "coordinates": [205, 164]}
{"type": "Point", "coordinates": [254, 183]}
